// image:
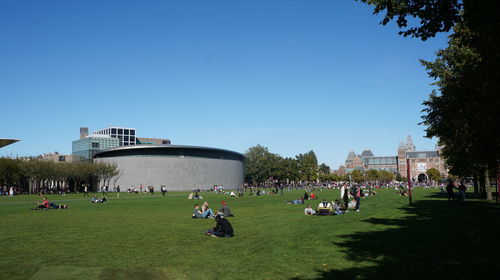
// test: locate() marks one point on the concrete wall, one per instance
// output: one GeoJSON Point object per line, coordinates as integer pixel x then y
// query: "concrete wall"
{"type": "Point", "coordinates": [177, 173]}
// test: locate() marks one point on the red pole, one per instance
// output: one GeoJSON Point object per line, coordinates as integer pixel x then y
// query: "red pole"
{"type": "Point", "coordinates": [409, 178]}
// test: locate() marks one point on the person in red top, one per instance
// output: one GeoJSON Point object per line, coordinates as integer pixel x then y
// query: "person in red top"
{"type": "Point", "coordinates": [312, 196]}
{"type": "Point", "coordinates": [357, 196]}
{"type": "Point", "coordinates": [43, 205]}
{"type": "Point", "coordinates": [46, 203]}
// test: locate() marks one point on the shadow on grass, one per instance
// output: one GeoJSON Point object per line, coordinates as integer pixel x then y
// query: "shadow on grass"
{"type": "Point", "coordinates": [435, 241]}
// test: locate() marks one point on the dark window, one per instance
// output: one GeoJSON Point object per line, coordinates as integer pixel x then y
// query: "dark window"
{"type": "Point", "coordinates": [120, 131]}
{"type": "Point", "coordinates": [132, 132]}
{"type": "Point", "coordinates": [120, 137]}
{"type": "Point", "coordinates": [125, 144]}
{"type": "Point", "coordinates": [113, 131]}
{"type": "Point", "coordinates": [125, 138]}
{"type": "Point", "coordinates": [62, 158]}
{"type": "Point", "coordinates": [126, 131]}
{"type": "Point", "coordinates": [95, 145]}
{"type": "Point", "coordinates": [132, 138]}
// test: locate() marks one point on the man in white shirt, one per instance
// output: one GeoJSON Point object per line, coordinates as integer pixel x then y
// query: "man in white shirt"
{"type": "Point", "coordinates": [309, 211]}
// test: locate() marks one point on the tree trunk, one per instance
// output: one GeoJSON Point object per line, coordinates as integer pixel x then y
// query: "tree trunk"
{"type": "Point", "coordinates": [488, 188]}
{"type": "Point", "coordinates": [482, 185]}
{"type": "Point", "coordinates": [476, 185]}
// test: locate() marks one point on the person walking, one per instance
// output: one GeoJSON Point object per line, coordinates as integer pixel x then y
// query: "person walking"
{"type": "Point", "coordinates": [118, 191]}
{"type": "Point", "coordinates": [85, 191]}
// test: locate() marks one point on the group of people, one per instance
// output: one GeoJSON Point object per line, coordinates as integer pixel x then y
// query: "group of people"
{"type": "Point", "coordinates": [223, 227]}
{"type": "Point", "coordinates": [350, 199]}
{"type": "Point", "coordinates": [7, 191]}
{"type": "Point", "coordinates": [450, 190]}
{"type": "Point", "coordinates": [194, 195]}
{"type": "Point", "coordinates": [206, 212]}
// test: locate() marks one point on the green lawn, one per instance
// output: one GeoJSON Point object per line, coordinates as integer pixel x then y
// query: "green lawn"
{"type": "Point", "coordinates": [142, 237]}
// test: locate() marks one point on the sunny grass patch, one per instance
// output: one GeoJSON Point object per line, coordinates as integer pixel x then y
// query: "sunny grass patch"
{"type": "Point", "coordinates": [154, 237]}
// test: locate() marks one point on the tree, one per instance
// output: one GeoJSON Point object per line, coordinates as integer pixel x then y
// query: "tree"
{"type": "Point", "coordinates": [324, 169]}
{"type": "Point", "coordinates": [260, 164]}
{"type": "Point", "coordinates": [463, 112]}
{"type": "Point", "coordinates": [372, 175]}
{"type": "Point", "coordinates": [435, 16]}
{"type": "Point", "coordinates": [398, 177]}
{"type": "Point", "coordinates": [434, 174]}
{"type": "Point", "coordinates": [385, 176]}
{"type": "Point", "coordinates": [357, 176]}
{"type": "Point", "coordinates": [308, 166]}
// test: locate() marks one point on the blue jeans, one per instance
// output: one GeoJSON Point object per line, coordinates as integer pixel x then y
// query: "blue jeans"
{"type": "Point", "coordinates": [358, 199]}
{"type": "Point", "coordinates": [207, 213]}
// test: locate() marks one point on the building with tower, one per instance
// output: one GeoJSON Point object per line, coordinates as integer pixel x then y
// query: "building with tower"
{"type": "Point", "coordinates": [420, 161]}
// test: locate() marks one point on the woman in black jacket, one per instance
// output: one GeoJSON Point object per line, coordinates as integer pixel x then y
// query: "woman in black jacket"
{"type": "Point", "coordinates": [223, 227]}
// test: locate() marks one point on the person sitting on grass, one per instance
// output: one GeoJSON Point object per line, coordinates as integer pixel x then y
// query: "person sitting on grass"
{"type": "Point", "coordinates": [225, 209]}
{"type": "Point", "coordinates": [313, 196]}
{"type": "Point", "coordinates": [309, 211]}
{"type": "Point", "coordinates": [203, 215]}
{"type": "Point", "coordinates": [352, 204]}
{"type": "Point", "coordinates": [336, 207]}
{"type": "Point", "coordinates": [42, 205]}
{"type": "Point", "coordinates": [324, 208]}
{"type": "Point", "coordinates": [222, 228]}
{"type": "Point", "coordinates": [204, 207]}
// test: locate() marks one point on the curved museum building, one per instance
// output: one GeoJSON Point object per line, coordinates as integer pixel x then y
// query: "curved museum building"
{"type": "Point", "coordinates": [177, 167]}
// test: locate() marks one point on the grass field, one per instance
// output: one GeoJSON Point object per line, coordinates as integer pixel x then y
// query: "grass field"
{"type": "Point", "coordinates": [142, 237]}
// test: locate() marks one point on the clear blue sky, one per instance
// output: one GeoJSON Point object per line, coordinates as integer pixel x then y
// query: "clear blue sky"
{"type": "Point", "coordinates": [290, 75]}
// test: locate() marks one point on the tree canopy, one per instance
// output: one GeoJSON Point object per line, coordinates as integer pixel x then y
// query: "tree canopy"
{"type": "Point", "coordinates": [262, 165]}
{"type": "Point", "coordinates": [463, 112]}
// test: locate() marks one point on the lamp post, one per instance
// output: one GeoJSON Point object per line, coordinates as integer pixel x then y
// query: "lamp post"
{"type": "Point", "coordinates": [409, 178]}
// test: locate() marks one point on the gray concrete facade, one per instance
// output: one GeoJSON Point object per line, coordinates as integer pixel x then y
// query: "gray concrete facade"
{"type": "Point", "coordinates": [177, 167]}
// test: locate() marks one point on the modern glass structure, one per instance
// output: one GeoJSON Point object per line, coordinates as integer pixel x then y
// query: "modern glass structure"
{"type": "Point", "coordinates": [86, 148]}
{"type": "Point", "coordinates": [125, 135]}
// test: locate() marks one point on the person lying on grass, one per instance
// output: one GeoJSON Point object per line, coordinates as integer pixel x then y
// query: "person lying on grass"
{"type": "Point", "coordinates": [203, 215]}
{"type": "Point", "coordinates": [96, 199]}
{"type": "Point", "coordinates": [309, 211]}
{"type": "Point", "coordinates": [222, 228]}
{"type": "Point", "coordinates": [300, 200]}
